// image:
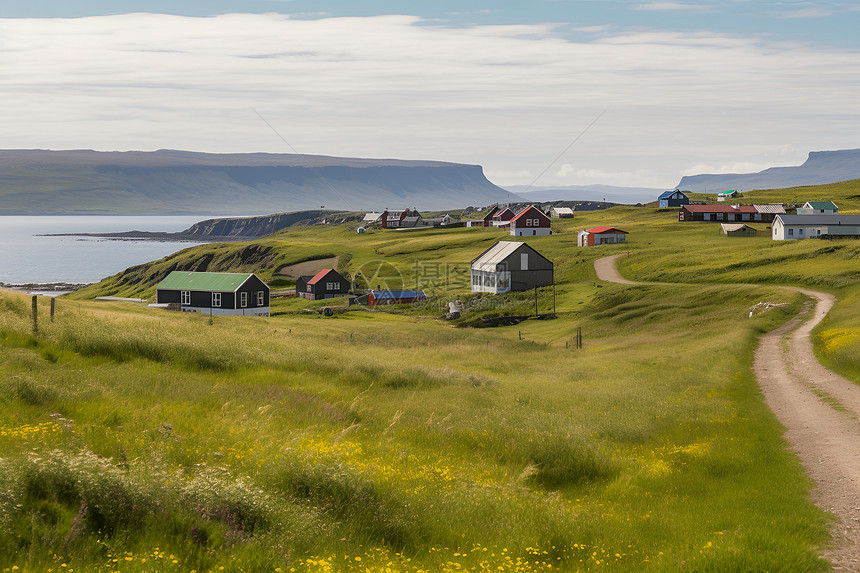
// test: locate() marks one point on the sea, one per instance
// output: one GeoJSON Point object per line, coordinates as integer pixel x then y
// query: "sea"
{"type": "Point", "coordinates": [29, 257]}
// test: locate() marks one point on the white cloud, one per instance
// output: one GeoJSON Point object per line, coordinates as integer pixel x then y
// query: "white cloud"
{"type": "Point", "coordinates": [507, 97]}
{"type": "Point", "coordinates": [673, 7]}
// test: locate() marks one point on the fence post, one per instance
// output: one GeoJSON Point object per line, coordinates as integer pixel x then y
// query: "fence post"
{"type": "Point", "coordinates": [52, 308]}
{"type": "Point", "coordinates": [35, 312]}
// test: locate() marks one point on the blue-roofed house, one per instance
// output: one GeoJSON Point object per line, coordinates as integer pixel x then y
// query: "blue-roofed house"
{"type": "Point", "coordinates": [378, 297]}
{"type": "Point", "coordinates": [674, 198]}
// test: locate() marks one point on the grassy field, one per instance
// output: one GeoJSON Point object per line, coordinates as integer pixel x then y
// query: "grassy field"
{"type": "Point", "coordinates": [137, 440]}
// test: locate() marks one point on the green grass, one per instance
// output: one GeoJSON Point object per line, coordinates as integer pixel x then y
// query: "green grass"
{"type": "Point", "coordinates": [395, 439]}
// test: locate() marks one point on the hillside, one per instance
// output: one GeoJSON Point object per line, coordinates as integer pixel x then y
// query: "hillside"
{"type": "Point", "coordinates": [820, 168]}
{"type": "Point", "coordinates": [178, 182]}
{"type": "Point", "coordinates": [139, 439]}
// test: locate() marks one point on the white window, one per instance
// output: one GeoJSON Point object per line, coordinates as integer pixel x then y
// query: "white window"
{"type": "Point", "coordinates": [261, 298]}
{"type": "Point", "coordinates": [186, 297]}
{"type": "Point", "coordinates": [524, 261]}
{"type": "Point", "coordinates": [243, 298]}
{"type": "Point", "coordinates": [332, 286]}
{"type": "Point", "coordinates": [309, 288]}
{"type": "Point", "coordinates": [216, 299]}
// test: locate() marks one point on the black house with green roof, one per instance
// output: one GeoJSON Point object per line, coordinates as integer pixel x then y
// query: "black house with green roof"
{"type": "Point", "coordinates": [215, 293]}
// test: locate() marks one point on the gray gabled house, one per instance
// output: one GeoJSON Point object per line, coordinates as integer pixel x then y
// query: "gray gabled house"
{"type": "Point", "coordinates": [510, 266]}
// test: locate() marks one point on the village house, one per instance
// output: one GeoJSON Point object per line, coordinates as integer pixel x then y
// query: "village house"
{"type": "Point", "coordinates": [502, 217]}
{"type": "Point", "coordinates": [787, 227]}
{"type": "Point", "coordinates": [723, 195]}
{"type": "Point", "coordinates": [561, 213]}
{"type": "Point", "coordinates": [328, 283]}
{"type": "Point", "coordinates": [214, 293]}
{"type": "Point", "coordinates": [674, 198]}
{"type": "Point", "coordinates": [486, 221]}
{"type": "Point", "coordinates": [818, 208]}
{"type": "Point", "coordinates": [600, 236]}
{"type": "Point", "coordinates": [531, 222]}
{"type": "Point", "coordinates": [393, 219]}
{"type": "Point", "coordinates": [510, 266]}
{"type": "Point", "coordinates": [730, 213]}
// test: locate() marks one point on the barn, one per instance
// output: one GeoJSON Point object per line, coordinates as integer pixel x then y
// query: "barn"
{"type": "Point", "coordinates": [562, 213]}
{"type": "Point", "coordinates": [510, 266]}
{"type": "Point", "coordinates": [328, 283]}
{"type": "Point", "coordinates": [600, 236]}
{"type": "Point", "coordinates": [215, 293]}
{"type": "Point", "coordinates": [737, 230]}
{"type": "Point", "coordinates": [531, 222]}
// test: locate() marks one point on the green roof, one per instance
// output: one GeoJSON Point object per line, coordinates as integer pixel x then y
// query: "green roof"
{"type": "Point", "coordinates": [822, 205]}
{"type": "Point", "coordinates": [217, 282]}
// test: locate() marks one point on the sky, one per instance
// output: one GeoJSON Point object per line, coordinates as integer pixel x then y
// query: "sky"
{"type": "Point", "coordinates": [633, 93]}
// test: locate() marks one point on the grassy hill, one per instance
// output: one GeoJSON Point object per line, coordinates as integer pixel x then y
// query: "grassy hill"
{"type": "Point", "coordinates": [139, 440]}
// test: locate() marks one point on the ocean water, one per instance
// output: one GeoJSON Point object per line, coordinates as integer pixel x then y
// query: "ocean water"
{"type": "Point", "coordinates": [26, 257]}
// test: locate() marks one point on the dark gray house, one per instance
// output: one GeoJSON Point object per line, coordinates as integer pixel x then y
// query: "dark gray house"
{"type": "Point", "coordinates": [328, 283]}
{"type": "Point", "coordinates": [510, 266]}
{"type": "Point", "coordinates": [215, 293]}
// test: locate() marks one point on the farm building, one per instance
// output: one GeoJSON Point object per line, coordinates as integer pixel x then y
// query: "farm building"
{"type": "Point", "coordinates": [723, 195]}
{"type": "Point", "coordinates": [218, 293]}
{"type": "Point", "coordinates": [395, 219]}
{"type": "Point", "coordinates": [600, 236]}
{"type": "Point", "coordinates": [730, 213]}
{"type": "Point", "coordinates": [815, 226]}
{"type": "Point", "coordinates": [531, 222]}
{"type": "Point", "coordinates": [818, 208]}
{"type": "Point", "coordinates": [737, 230]}
{"type": "Point", "coordinates": [561, 213]}
{"type": "Point", "coordinates": [371, 218]}
{"type": "Point", "coordinates": [328, 283]}
{"type": "Point", "coordinates": [502, 217]}
{"type": "Point", "coordinates": [510, 266]}
{"type": "Point", "coordinates": [382, 297]}
{"type": "Point", "coordinates": [674, 198]}
{"type": "Point", "coordinates": [486, 221]}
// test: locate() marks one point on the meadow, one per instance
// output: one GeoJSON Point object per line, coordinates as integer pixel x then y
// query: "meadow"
{"type": "Point", "coordinates": [139, 440]}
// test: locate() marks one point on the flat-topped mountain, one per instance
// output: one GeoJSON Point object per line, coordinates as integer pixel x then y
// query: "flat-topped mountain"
{"type": "Point", "coordinates": [820, 168]}
{"type": "Point", "coordinates": [176, 182]}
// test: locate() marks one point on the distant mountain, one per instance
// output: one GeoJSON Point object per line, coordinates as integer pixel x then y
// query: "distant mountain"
{"type": "Point", "coordinates": [628, 195]}
{"type": "Point", "coordinates": [182, 182]}
{"type": "Point", "coordinates": [821, 167]}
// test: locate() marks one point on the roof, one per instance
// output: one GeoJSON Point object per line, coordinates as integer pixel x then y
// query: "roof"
{"type": "Point", "coordinates": [776, 208]}
{"type": "Point", "coordinates": [600, 230]}
{"type": "Point", "coordinates": [819, 220]}
{"type": "Point", "coordinates": [730, 192]}
{"type": "Point", "coordinates": [526, 210]}
{"type": "Point", "coordinates": [720, 209]}
{"type": "Point", "coordinates": [216, 282]}
{"type": "Point", "coordinates": [822, 205]}
{"type": "Point", "coordinates": [667, 194]}
{"type": "Point", "coordinates": [562, 210]}
{"type": "Point", "coordinates": [503, 212]}
{"type": "Point", "coordinates": [372, 216]}
{"type": "Point", "coordinates": [488, 260]}
{"type": "Point", "coordinates": [735, 226]}
{"type": "Point", "coordinates": [397, 294]}
{"type": "Point", "coordinates": [319, 276]}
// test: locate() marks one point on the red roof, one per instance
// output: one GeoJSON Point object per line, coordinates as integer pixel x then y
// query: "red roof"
{"type": "Point", "coordinates": [719, 209]}
{"type": "Point", "coordinates": [319, 276]}
{"type": "Point", "coordinates": [530, 208]}
{"type": "Point", "coordinates": [599, 230]}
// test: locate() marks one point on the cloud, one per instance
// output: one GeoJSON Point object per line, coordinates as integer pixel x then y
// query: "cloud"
{"type": "Point", "coordinates": [505, 97]}
{"type": "Point", "coordinates": [673, 7]}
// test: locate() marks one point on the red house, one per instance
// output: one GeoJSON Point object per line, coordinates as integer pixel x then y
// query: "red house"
{"type": "Point", "coordinates": [531, 222]}
{"type": "Point", "coordinates": [719, 213]}
{"type": "Point", "coordinates": [394, 219]}
{"type": "Point", "coordinates": [600, 236]}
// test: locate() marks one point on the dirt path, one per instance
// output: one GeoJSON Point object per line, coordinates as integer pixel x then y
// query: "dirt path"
{"type": "Point", "coordinates": [820, 411]}
{"type": "Point", "coordinates": [309, 267]}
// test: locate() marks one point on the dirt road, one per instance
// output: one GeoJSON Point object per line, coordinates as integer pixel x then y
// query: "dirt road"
{"type": "Point", "coordinates": [820, 411]}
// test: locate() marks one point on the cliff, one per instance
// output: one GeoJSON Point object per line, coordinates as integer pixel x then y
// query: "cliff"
{"type": "Point", "coordinates": [180, 182]}
{"type": "Point", "coordinates": [820, 168]}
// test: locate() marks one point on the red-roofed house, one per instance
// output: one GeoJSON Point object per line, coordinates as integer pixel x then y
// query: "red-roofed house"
{"type": "Point", "coordinates": [531, 222]}
{"type": "Point", "coordinates": [718, 213]}
{"type": "Point", "coordinates": [327, 283]}
{"type": "Point", "coordinates": [600, 236]}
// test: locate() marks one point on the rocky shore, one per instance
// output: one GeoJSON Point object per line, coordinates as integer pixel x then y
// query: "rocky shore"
{"type": "Point", "coordinates": [44, 287]}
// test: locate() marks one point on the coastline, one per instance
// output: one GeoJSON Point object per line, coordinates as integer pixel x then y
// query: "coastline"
{"type": "Point", "coordinates": [47, 289]}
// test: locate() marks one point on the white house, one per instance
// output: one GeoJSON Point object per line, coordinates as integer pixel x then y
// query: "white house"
{"type": "Point", "coordinates": [561, 213]}
{"type": "Point", "coordinates": [814, 226]}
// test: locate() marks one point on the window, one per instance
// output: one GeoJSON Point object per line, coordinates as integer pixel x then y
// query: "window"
{"type": "Point", "coordinates": [791, 232]}
{"type": "Point", "coordinates": [261, 298]}
{"type": "Point", "coordinates": [534, 232]}
{"type": "Point", "coordinates": [524, 261]}
{"type": "Point", "coordinates": [800, 231]}
{"type": "Point", "coordinates": [243, 299]}
{"type": "Point", "coordinates": [216, 299]}
{"type": "Point", "coordinates": [309, 288]}
{"type": "Point", "coordinates": [186, 297]}
{"type": "Point", "coordinates": [332, 286]}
